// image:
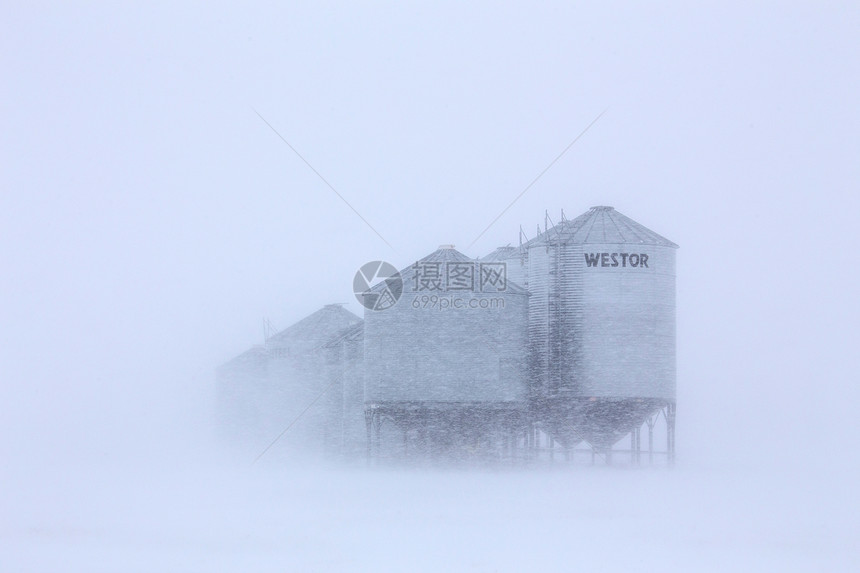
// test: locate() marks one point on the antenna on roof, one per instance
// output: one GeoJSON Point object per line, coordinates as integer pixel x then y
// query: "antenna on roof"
{"type": "Point", "coordinates": [547, 218]}
{"type": "Point", "coordinates": [556, 228]}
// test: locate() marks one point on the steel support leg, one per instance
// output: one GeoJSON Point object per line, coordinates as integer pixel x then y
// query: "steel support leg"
{"type": "Point", "coordinates": [368, 422]}
{"type": "Point", "coordinates": [651, 420]}
{"type": "Point", "coordinates": [670, 433]}
{"type": "Point", "coordinates": [377, 424]}
{"type": "Point", "coordinates": [528, 444]}
{"type": "Point", "coordinates": [634, 446]}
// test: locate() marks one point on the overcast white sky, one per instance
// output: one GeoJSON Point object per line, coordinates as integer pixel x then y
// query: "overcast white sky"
{"type": "Point", "coordinates": [151, 220]}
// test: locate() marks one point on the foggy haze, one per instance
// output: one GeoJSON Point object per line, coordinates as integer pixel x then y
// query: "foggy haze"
{"type": "Point", "coordinates": [152, 222]}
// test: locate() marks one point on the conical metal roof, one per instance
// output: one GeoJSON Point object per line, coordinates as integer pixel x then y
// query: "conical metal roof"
{"type": "Point", "coordinates": [315, 329]}
{"type": "Point", "coordinates": [444, 254]}
{"type": "Point", "coordinates": [503, 254]}
{"type": "Point", "coordinates": [603, 225]}
{"type": "Point", "coordinates": [352, 333]}
{"type": "Point", "coordinates": [448, 254]}
{"type": "Point", "coordinates": [252, 358]}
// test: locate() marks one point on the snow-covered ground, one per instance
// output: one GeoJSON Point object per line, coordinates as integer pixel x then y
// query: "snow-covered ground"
{"type": "Point", "coordinates": [560, 519]}
{"type": "Point", "coordinates": [150, 221]}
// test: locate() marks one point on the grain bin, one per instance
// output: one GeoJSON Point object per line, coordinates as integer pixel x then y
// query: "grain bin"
{"type": "Point", "coordinates": [270, 387]}
{"type": "Point", "coordinates": [601, 326]}
{"type": "Point", "coordinates": [446, 365]}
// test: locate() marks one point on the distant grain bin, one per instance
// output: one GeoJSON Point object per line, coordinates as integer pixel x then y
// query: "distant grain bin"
{"type": "Point", "coordinates": [264, 388]}
{"type": "Point", "coordinates": [601, 328]}
{"type": "Point", "coordinates": [516, 262]}
{"type": "Point", "coordinates": [445, 368]}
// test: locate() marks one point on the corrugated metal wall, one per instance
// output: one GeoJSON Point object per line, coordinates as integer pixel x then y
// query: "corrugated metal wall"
{"type": "Point", "coordinates": [416, 351]}
{"type": "Point", "coordinates": [626, 327]}
{"type": "Point", "coordinates": [606, 330]}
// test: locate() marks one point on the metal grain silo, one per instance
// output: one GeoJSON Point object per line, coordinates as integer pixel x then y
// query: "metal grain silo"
{"type": "Point", "coordinates": [445, 367]}
{"type": "Point", "coordinates": [270, 387]}
{"type": "Point", "coordinates": [601, 327]}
